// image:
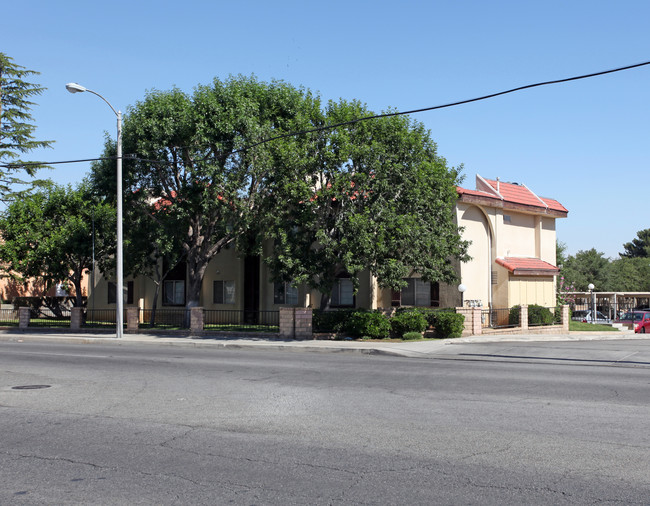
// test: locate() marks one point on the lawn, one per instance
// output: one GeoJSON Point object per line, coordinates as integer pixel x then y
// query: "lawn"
{"type": "Point", "coordinates": [593, 327]}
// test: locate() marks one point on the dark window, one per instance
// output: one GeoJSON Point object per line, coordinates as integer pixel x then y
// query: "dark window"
{"type": "Point", "coordinates": [223, 292]}
{"type": "Point", "coordinates": [112, 291]}
{"type": "Point", "coordinates": [285, 293]}
{"type": "Point", "coordinates": [417, 293]}
{"type": "Point", "coordinates": [343, 293]}
{"type": "Point", "coordinates": [174, 284]}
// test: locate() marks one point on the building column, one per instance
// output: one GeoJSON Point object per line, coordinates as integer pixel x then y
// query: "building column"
{"type": "Point", "coordinates": [23, 317]}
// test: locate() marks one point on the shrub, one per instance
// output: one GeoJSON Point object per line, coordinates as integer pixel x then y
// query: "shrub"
{"type": "Point", "coordinates": [331, 321]}
{"type": "Point", "coordinates": [368, 324]}
{"type": "Point", "coordinates": [412, 336]}
{"type": "Point", "coordinates": [449, 324]}
{"type": "Point", "coordinates": [408, 321]}
{"type": "Point", "coordinates": [537, 315]}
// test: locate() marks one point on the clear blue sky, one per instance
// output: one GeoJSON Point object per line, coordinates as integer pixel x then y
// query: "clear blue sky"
{"type": "Point", "coordinates": [583, 143]}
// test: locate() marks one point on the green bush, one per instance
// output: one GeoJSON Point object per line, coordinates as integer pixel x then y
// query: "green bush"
{"type": "Point", "coordinates": [412, 336]}
{"type": "Point", "coordinates": [368, 324]}
{"type": "Point", "coordinates": [331, 321]}
{"type": "Point", "coordinates": [537, 315]}
{"type": "Point", "coordinates": [408, 321]}
{"type": "Point", "coordinates": [448, 324]}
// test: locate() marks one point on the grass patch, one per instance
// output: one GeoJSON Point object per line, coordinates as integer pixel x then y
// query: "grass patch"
{"type": "Point", "coordinates": [590, 327]}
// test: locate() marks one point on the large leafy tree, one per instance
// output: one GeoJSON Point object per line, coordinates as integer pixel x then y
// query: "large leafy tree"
{"type": "Point", "coordinates": [587, 267]}
{"type": "Point", "coordinates": [373, 195]}
{"type": "Point", "coordinates": [196, 155]}
{"type": "Point", "coordinates": [639, 247]}
{"type": "Point", "coordinates": [53, 234]}
{"type": "Point", "coordinates": [16, 126]}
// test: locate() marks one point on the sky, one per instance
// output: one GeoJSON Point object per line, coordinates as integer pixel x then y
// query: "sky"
{"type": "Point", "coordinates": [584, 143]}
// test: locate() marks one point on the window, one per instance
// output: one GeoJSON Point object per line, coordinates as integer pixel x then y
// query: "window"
{"type": "Point", "coordinates": [223, 292]}
{"type": "Point", "coordinates": [174, 284]}
{"type": "Point", "coordinates": [174, 292]}
{"type": "Point", "coordinates": [285, 293]}
{"type": "Point", "coordinates": [343, 293]}
{"type": "Point", "coordinates": [417, 293]}
{"type": "Point", "coordinates": [112, 292]}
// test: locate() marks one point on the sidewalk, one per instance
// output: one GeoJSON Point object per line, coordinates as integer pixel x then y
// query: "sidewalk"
{"type": "Point", "coordinates": [420, 349]}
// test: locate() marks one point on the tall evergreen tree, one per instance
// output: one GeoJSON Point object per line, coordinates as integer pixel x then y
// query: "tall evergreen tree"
{"type": "Point", "coordinates": [16, 126]}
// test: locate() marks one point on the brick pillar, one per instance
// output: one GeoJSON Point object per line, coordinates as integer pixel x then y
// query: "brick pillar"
{"type": "Point", "coordinates": [303, 321]}
{"type": "Point", "coordinates": [132, 320]}
{"type": "Point", "coordinates": [565, 318]}
{"type": "Point", "coordinates": [472, 324]}
{"type": "Point", "coordinates": [287, 329]}
{"type": "Point", "coordinates": [23, 317]}
{"type": "Point", "coordinates": [196, 321]}
{"type": "Point", "coordinates": [523, 318]}
{"type": "Point", "coordinates": [76, 317]}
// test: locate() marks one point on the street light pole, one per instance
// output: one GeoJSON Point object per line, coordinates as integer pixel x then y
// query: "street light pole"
{"type": "Point", "coordinates": [119, 296]}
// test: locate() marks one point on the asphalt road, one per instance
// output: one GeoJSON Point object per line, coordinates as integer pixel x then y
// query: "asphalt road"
{"type": "Point", "coordinates": [480, 424]}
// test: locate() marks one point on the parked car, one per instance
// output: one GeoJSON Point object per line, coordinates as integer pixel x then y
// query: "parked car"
{"type": "Point", "coordinates": [585, 316]}
{"type": "Point", "coordinates": [638, 320]}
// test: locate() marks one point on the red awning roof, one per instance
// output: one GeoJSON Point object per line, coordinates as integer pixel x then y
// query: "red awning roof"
{"type": "Point", "coordinates": [528, 266]}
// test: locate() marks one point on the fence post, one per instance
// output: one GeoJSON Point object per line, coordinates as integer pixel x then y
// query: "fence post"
{"type": "Point", "coordinates": [523, 317]}
{"type": "Point", "coordinates": [76, 316]}
{"type": "Point", "coordinates": [132, 320]}
{"type": "Point", "coordinates": [23, 317]}
{"type": "Point", "coordinates": [470, 321]}
{"type": "Point", "coordinates": [303, 323]}
{"type": "Point", "coordinates": [196, 321]}
{"type": "Point", "coordinates": [287, 327]}
{"type": "Point", "coordinates": [565, 317]}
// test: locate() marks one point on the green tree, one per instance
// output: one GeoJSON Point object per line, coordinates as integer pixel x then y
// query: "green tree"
{"type": "Point", "coordinates": [16, 126]}
{"type": "Point", "coordinates": [629, 275]}
{"type": "Point", "coordinates": [205, 170]}
{"type": "Point", "coordinates": [587, 267]}
{"type": "Point", "coordinates": [48, 235]}
{"type": "Point", "coordinates": [639, 247]}
{"type": "Point", "coordinates": [373, 195]}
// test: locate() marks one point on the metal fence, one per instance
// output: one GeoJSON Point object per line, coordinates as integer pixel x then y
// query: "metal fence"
{"type": "Point", "coordinates": [609, 308]}
{"type": "Point", "coordinates": [167, 319]}
{"type": "Point", "coordinates": [499, 318]}
{"type": "Point", "coordinates": [100, 318]}
{"type": "Point", "coordinates": [9, 318]}
{"type": "Point", "coordinates": [48, 318]}
{"type": "Point", "coordinates": [241, 320]}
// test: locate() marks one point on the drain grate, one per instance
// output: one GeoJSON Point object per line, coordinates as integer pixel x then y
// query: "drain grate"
{"type": "Point", "coordinates": [30, 387]}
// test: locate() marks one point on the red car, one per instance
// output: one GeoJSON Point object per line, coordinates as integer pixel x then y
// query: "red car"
{"type": "Point", "coordinates": [638, 320]}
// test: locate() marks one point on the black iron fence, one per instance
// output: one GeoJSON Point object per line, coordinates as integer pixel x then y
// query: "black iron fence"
{"type": "Point", "coordinates": [167, 319]}
{"type": "Point", "coordinates": [100, 318]}
{"type": "Point", "coordinates": [498, 318]}
{"type": "Point", "coordinates": [47, 318]}
{"type": "Point", "coordinates": [241, 320]}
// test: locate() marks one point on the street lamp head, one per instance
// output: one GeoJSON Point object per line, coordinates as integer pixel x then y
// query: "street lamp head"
{"type": "Point", "coordinates": [591, 286]}
{"type": "Point", "coordinates": [462, 288]}
{"type": "Point", "coordinates": [74, 88]}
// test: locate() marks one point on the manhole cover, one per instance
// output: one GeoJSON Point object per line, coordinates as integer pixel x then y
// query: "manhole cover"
{"type": "Point", "coordinates": [30, 387]}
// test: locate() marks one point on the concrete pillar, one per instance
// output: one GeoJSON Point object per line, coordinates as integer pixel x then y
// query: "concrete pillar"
{"type": "Point", "coordinates": [23, 317]}
{"type": "Point", "coordinates": [196, 320]}
{"type": "Point", "coordinates": [565, 318]}
{"type": "Point", "coordinates": [296, 323]}
{"type": "Point", "coordinates": [303, 323]}
{"type": "Point", "coordinates": [132, 320]}
{"type": "Point", "coordinates": [76, 318]}
{"type": "Point", "coordinates": [523, 317]}
{"type": "Point", "coordinates": [472, 324]}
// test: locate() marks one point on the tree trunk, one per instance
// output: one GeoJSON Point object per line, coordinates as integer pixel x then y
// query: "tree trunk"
{"type": "Point", "coordinates": [325, 299]}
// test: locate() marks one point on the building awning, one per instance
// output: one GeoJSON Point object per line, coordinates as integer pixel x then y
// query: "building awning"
{"type": "Point", "coordinates": [528, 266]}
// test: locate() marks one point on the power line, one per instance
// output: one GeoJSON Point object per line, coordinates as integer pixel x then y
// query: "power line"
{"type": "Point", "coordinates": [365, 118]}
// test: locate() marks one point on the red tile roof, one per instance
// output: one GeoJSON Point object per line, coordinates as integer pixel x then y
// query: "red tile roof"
{"type": "Point", "coordinates": [528, 266]}
{"type": "Point", "coordinates": [514, 194]}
